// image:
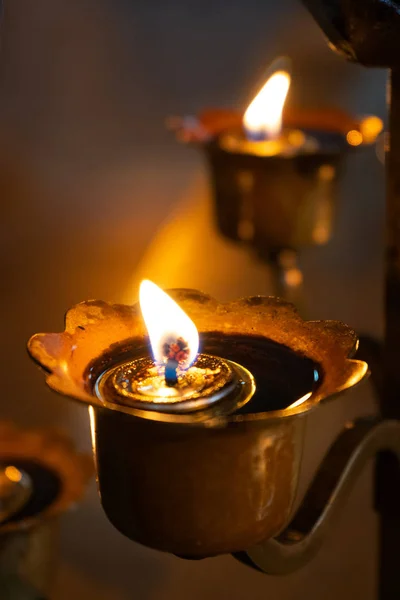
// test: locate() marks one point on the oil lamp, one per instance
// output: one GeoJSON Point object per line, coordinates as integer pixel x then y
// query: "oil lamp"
{"type": "Point", "coordinates": [274, 171]}
{"type": "Point", "coordinates": [41, 476]}
{"type": "Point", "coordinates": [197, 454]}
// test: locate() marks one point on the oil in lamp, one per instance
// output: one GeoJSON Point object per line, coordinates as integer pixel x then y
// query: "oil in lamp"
{"type": "Point", "coordinates": [198, 454]}
{"type": "Point", "coordinates": [274, 171]}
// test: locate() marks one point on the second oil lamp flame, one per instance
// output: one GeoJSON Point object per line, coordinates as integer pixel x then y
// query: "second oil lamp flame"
{"type": "Point", "coordinates": [263, 117]}
{"type": "Point", "coordinates": [173, 336]}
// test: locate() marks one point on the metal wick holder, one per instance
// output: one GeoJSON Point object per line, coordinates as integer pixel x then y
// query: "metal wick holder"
{"type": "Point", "coordinates": [41, 476]}
{"type": "Point", "coordinates": [217, 480]}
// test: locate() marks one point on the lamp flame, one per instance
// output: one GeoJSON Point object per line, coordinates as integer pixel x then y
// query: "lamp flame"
{"type": "Point", "coordinates": [263, 117]}
{"type": "Point", "coordinates": [172, 334]}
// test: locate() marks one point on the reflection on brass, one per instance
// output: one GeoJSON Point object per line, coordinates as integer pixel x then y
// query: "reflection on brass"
{"type": "Point", "coordinates": [170, 481]}
{"type": "Point", "coordinates": [15, 490]}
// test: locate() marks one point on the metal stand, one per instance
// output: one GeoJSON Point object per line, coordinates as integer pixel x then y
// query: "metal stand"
{"type": "Point", "coordinates": [367, 32]}
{"type": "Point", "coordinates": [387, 488]}
{"type": "Point", "coordinates": [327, 495]}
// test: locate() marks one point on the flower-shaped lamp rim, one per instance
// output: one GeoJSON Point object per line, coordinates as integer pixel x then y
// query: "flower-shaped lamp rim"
{"type": "Point", "coordinates": [93, 326]}
{"type": "Point", "coordinates": [210, 123]}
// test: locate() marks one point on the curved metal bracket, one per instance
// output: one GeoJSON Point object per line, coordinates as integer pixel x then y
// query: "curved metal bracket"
{"type": "Point", "coordinates": [346, 458]}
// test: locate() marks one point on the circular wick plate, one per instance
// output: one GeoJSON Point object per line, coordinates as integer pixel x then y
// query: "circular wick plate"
{"type": "Point", "coordinates": [140, 384]}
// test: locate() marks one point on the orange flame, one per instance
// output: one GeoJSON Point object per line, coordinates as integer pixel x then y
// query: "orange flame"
{"type": "Point", "coordinates": [167, 325]}
{"type": "Point", "coordinates": [263, 117]}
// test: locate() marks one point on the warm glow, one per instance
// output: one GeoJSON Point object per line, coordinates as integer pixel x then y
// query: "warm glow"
{"type": "Point", "coordinates": [296, 138]}
{"type": "Point", "coordinates": [92, 421]}
{"type": "Point", "coordinates": [354, 137]}
{"type": "Point", "coordinates": [13, 474]}
{"type": "Point", "coordinates": [370, 128]}
{"type": "Point", "coordinates": [166, 322]}
{"type": "Point", "coordinates": [293, 277]}
{"type": "Point", "coordinates": [301, 400]}
{"type": "Point", "coordinates": [326, 173]}
{"type": "Point", "coordinates": [263, 117]}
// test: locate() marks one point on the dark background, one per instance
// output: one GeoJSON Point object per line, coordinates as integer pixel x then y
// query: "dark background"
{"type": "Point", "coordinates": [96, 194]}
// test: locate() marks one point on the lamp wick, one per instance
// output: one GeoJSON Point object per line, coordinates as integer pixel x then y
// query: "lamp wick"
{"type": "Point", "coordinates": [171, 376]}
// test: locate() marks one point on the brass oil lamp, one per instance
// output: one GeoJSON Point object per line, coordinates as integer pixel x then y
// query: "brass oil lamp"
{"type": "Point", "coordinates": [198, 454]}
{"type": "Point", "coordinates": [274, 171]}
{"type": "Point", "coordinates": [41, 477]}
